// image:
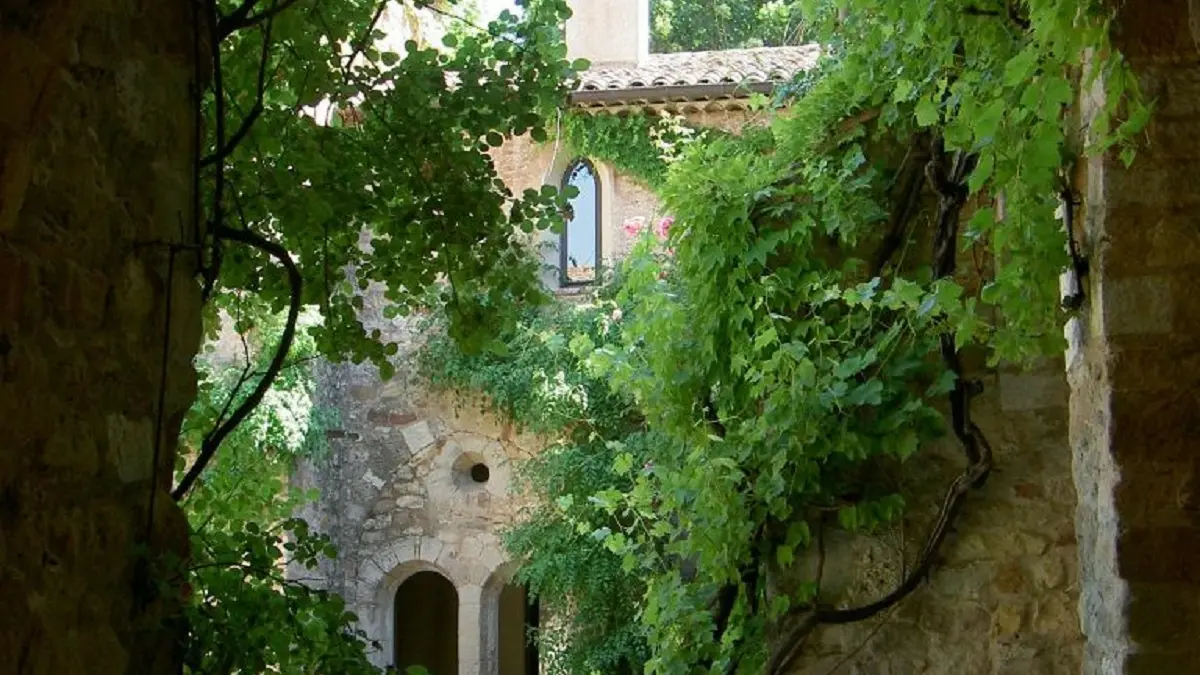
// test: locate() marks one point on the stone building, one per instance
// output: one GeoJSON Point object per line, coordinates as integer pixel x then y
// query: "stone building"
{"type": "Point", "coordinates": [416, 489]}
{"type": "Point", "coordinates": [1038, 578]}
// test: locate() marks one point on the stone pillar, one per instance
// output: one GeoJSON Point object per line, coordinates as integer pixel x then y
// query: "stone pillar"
{"type": "Point", "coordinates": [470, 628]}
{"type": "Point", "coordinates": [1134, 370]}
{"type": "Point", "coordinates": [96, 193]}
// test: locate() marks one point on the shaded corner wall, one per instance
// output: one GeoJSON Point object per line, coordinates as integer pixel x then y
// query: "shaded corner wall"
{"type": "Point", "coordinates": [1134, 368]}
{"type": "Point", "coordinates": [95, 174]}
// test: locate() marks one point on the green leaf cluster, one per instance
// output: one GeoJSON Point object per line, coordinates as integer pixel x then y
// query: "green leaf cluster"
{"type": "Point", "coordinates": [688, 26]}
{"type": "Point", "coordinates": [399, 194]}
{"type": "Point", "coordinates": [372, 170]}
{"type": "Point", "coordinates": [627, 142]}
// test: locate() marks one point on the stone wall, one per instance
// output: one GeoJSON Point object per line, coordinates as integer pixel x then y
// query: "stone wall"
{"type": "Point", "coordinates": [1133, 367]}
{"type": "Point", "coordinates": [1002, 597]}
{"type": "Point", "coordinates": [398, 496]}
{"type": "Point", "coordinates": [95, 183]}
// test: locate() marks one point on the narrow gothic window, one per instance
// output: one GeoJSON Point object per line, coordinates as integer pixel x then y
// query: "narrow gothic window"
{"type": "Point", "coordinates": [579, 250]}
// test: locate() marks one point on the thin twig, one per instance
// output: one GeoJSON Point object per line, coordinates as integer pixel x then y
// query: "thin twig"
{"type": "Point", "coordinates": [225, 149]}
{"type": "Point", "coordinates": [241, 17]}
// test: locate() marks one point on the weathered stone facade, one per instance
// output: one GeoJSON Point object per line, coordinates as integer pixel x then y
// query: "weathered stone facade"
{"type": "Point", "coordinates": [397, 493]}
{"type": "Point", "coordinates": [95, 188]}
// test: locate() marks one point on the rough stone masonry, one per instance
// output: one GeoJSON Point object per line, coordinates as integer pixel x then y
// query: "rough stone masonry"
{"type": "Point", "coordinates": [95, 186]}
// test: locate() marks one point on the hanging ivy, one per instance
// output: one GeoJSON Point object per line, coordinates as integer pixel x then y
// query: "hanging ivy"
{"type": "Point", "coordinates": [634, 144]}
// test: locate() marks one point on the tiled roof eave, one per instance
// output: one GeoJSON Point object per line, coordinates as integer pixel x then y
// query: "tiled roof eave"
{"type": "Point", "coordinates": [668, 94]}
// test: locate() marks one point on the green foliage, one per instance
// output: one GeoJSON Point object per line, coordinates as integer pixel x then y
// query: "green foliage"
{"type": "Point", "coordinates": [536, 382]}
{"type": "Point", "coordinates": [394, 185]}
{"type": "Point", "coordinates": [412, 178]}
{"type": "Point", "coordinates": [689, 26]}
{"type": "Point", "coordinates": [244, 615]}
{"type": "Point", "coordinates": [763, 375]}
{"type": "Point", "coordinates": [786, 373]}
{"type": "Point", "coordinates": [627, 142]}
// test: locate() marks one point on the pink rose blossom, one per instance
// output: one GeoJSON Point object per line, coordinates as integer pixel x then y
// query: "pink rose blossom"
{"type": "Point", "coordinates": [664, 227]}
{"type": "Point", "coordinates": [634, 226]}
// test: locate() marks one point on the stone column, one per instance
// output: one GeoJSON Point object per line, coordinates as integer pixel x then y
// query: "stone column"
{"type": "Point", "coordinates": [99, 322]}
{"type": "Point", "coordinates": [470, 639]}
{"type": "Point", "coordinates": [1134, 370]}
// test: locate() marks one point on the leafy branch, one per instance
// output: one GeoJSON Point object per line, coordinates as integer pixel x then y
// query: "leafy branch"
{"type": "Point", "coordinates": [212, 441]}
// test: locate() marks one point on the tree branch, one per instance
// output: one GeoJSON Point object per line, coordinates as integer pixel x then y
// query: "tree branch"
{"type": "Point", "coordinates": [241, 18]}
{"type": "Point", "coordinates": [213, 441]}
{"type": "Point", "coordinates": [948, 182]}
{"type": "Point", "coordinates": [225, 149]}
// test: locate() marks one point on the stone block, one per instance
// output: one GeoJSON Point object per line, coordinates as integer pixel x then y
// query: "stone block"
{"type": "Point", "coordinates": [418, 437]}
{"type": "Point", "coordinates": [1152, 427]}
{"type": "Point", "coordinates": [1047, 572]}
{"type": "Point", "coordinates": [1020, 392]}
{"type": "Point", "coordinates": [131, 447]}
{"type": "Point", "coordinates": [1160, 494]}
{"type": "Point", "coordinates": [409, 502]}
{"type": "Point", "coordinates": [1137, 305]}
{"type": "Point", "coordinates": [1176, 91]}
{"type": "Point", "coordinates": [1157, 364]}
{"type": "Point", "coordinates": [372, 480]}
{"type": "Point", "coordinates": [1164, 616]}
{"type": "Point", "coordinates": [1155, 32]}
{"type": "Point", "coordinates": [1007, 620]}
{"type": "Point", "coordinates": [1158, 663]}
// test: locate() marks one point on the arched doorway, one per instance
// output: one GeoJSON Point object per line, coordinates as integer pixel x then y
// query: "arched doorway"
{"type": "Point", "coordinates": [518, 626]}
{"type": "Point", "coordinates": [426, 613]}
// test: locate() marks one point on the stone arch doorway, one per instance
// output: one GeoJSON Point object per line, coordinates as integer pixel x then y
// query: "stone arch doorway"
{"type": "Point", "coordinates": [426, 624]}
{"type": "Point", "coordinates": [517, 652]}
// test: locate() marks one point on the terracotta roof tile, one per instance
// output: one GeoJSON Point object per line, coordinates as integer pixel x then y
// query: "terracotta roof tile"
{"type": "Point", "coordinates": [731, 66]}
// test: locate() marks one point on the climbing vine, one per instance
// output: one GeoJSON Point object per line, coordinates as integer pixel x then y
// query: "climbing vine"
{"type": "Point", "coordinates": [795, 350]}
{"type": "Point", "coordinates": [636, 144]}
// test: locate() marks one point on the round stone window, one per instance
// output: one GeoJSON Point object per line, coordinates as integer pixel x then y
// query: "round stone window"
{"type": "Point", "coordinates": [480, 473]}
{"type": "Point", "coordinates": [471, 471]}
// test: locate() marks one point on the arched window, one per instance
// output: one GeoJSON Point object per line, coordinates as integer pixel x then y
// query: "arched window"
{"type": "Point", "coordinates": [579, 249]}
{"type": "Point", "coordinates": [427, 624]}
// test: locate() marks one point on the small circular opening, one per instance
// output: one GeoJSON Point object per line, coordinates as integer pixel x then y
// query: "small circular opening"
{"type": "Point", "coordinates": [480, 473]}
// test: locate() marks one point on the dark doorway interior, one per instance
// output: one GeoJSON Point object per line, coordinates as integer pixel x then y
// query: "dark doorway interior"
{"type": "Point", "coordinates": [427, 624]}
{"type": "Point", "coordinates": [518, 625]}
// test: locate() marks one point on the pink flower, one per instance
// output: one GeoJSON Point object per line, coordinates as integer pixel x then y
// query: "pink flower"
{"type": "Point", "coordinates": [634, 226]}
{"type": "Point", "coordinates": [664, 227]}
{"type": "Point", "coordinates": [617, 314]}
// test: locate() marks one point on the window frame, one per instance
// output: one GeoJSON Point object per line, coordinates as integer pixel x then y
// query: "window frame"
{"type": "Point", "coordinates": [563, 279]}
